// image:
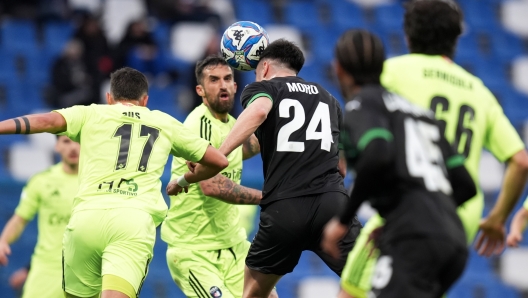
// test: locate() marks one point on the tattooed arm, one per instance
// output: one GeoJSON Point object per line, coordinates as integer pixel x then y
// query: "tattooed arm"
{"type": "Point", "coordinates": [48, 122]}
{"type": "Point", "coordinates": [226, 190]}
{"type": "Point", "coordinates": [250, 147]}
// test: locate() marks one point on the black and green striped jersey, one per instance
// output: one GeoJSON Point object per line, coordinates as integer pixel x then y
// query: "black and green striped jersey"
{"type": "Point", "coordinates": [413, 190]}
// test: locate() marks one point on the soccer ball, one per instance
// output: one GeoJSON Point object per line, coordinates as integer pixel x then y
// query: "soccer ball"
{"type": "Point", "coordinates": [242, 43]}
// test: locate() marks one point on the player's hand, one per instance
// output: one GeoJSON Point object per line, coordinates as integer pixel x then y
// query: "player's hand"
{"type": "Point", "coordinates": [173, 188]}
{"type": "Point", "coordinates": [514, 238]}
{"type": "Point", "coordinates": [491, 238]}
{"type": "Point", "coordinates": [374, 238]}
{"type": "Point", "coordinates": [18, 278]}
{"type": "Point", "coordinates": [191, 166]}
{"type": "Point", "coordinates": [334, 231]}
{"type": "Point", "coordinates": [5, 251]}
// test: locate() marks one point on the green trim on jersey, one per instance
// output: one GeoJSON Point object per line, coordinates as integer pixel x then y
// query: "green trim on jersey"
{"type": "Point", "coordinates": [374, 133]}
{"type": "Point", "coordinates": [205, 128]}
{"type": "Point", "coordinates": [257, 96]}
{"type": "Point", "coordinates": [455, 161]}
{"type": "Point", "coordinates": [196, 221]}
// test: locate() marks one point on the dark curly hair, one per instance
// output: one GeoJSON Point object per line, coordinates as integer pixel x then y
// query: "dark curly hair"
{"type": "Point", "coordinates": [361, 54]}
{"type": "Point", "coordinates": [285, 52]}
{"type": "Point", "coordinates": [433, 26]}
{"type": "Point", "coordinates": [212, 60]}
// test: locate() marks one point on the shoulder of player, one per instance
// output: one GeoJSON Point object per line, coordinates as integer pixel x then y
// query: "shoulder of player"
{"type": "Point", "coordinates": [43, 175]}
{"type": "Point", "coordinates": [196, 116]}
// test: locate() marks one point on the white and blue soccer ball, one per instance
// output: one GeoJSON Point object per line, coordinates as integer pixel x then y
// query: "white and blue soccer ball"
{"type": "Point", "coordinates": [242, 43]}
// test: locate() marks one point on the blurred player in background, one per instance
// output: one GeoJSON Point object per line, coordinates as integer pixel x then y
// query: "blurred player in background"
{"type": "Point", "coordinates": [109, 239]}
{"type": "Point", "coordinates": [407, 170]}
{"type": "Point", "coordinates": [50, 195]}
{"type": "Point", "coordinates": [297, 124]}
{"type": "Point", "coordinates": [207, 241]}
{"type": "Point", "coordinates": [471, 117]}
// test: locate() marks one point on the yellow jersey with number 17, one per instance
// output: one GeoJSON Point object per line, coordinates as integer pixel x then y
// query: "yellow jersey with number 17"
{"type": "Point", "coordinates": [124, 149]}
{"type": "Point", "coordinates": [471, 117]}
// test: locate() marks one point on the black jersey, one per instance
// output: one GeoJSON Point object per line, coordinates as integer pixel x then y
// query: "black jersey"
{"type": "Point", "coordinates": [299, 139]}
{"type": "Point", "coordinates": [414, 192]}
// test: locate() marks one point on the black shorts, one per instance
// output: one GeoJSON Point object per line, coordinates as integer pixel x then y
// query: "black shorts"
{"type": "Point", "coordinates": [289, 226]}
{"type": "Point", "coordinates": [417, 268]}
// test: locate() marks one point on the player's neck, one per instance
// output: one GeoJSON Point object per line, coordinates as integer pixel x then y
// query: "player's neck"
{"type": "Point", "coordinates": [220, 116]}
{"type": "Point", "coordinates": [280, 74]}
{"type": "Point", "coordinates": [71, 169]}
{"type": "Point", "coordinates": [128, 102]}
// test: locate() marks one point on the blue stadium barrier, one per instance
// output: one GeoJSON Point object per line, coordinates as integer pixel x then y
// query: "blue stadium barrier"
{"type": "Point", "coordinates": [18, 35]}
{"type": "Point", "coordinates": [303, 15]}
{"type": "Point", "coordinates": [347, 14]}
{"type": "Point", "coordinates": [259, 12]}
{"type": "Point", "coordinates": [56, 35]}
{"type": "Point", "coordinates": [389, 16]}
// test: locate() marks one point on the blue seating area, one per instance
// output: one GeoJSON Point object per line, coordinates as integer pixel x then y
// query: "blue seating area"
{"type": "Point", "coordinates": [28, 52]}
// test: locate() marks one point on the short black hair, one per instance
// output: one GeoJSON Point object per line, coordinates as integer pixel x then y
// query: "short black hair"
{"type": "Point", "coordinates": [285, 52]}
{"type": "Point", "coordinates": [361, 54]}
{"type": "Point", "coordinates": [433, 26]}
{"type": "Point", "coordinates": [212, 60]}
{"type": "Point", "coordinates": [128, 84]}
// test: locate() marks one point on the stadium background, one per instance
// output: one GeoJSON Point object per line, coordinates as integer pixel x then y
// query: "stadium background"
{"type": "Point", "coordinates": [41, 69]}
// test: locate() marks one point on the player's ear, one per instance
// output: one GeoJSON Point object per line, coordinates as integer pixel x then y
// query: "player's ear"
{"type": "Point", "coordinates": [143, 101]}
{"type": "Point", "coordinates": [200, 90]}
{"type": "Point", "coordinates": [265, 69]}
{"type": "Point", "coordinates": [109, 98]}
{"type": "Point", "coordinates": [235, 85]}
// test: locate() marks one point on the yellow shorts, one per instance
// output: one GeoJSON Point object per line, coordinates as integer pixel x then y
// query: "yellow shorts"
{"type": "Point", "coordinates": [115, 242]}
{"type": "Point", "coordinates": [205, 273]}
{"type": "Point", "coordinates": [44, 280]}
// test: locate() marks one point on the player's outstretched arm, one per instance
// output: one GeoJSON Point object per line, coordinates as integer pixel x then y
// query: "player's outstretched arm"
{"type": "Point", "coordinates": [251, 147]}
{"type": "Point", "coordinates": [35, 123]}
{"type": "Point", "coordinates": [211, 164]}
{"type": "Point", "coordinates": [517, 227]}
{"type": "Point", "coordinates": [492, 228]}
{"type": "Point", "coordinates": [12, 231]}
{"type": "Point", "coordinates": [224, 189]}
{"type": "Point", "coordinates": [247, 123]}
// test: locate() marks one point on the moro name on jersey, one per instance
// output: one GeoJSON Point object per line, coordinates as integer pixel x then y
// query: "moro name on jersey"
{"type": "Point", "coordinates": [300, 87]}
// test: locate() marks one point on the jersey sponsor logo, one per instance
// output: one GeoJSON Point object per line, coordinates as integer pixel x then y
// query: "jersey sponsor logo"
{"type": "Point", "coordinates": [300, 87]}
{"type": "Point", "coordinates": [215, 292]}
{"type": "Point", "coordinates": [125, 187]}
{"type": "Point", "coordinates": [395, 103]}
{"type": "Point", "coordinates": [235, 174]}
{"type": "Point", "coordinates": [56, 219]}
